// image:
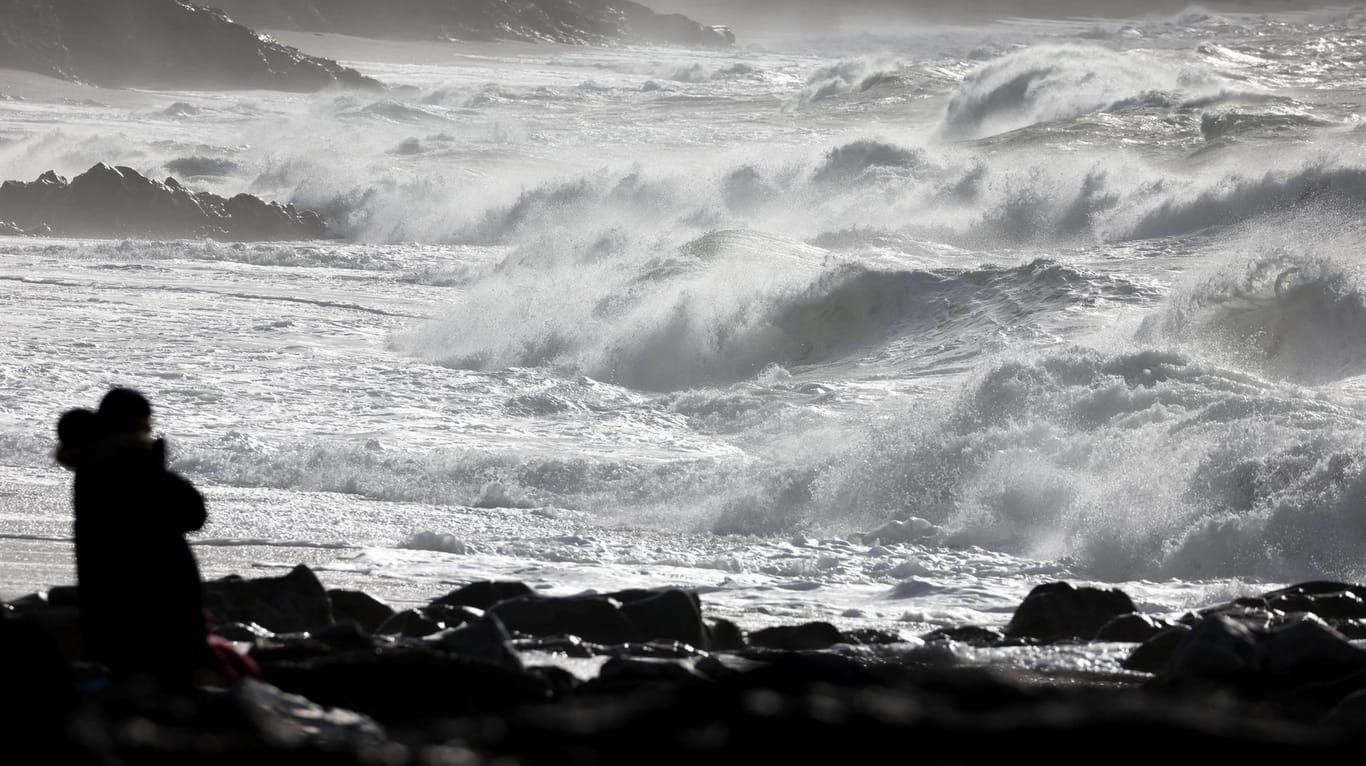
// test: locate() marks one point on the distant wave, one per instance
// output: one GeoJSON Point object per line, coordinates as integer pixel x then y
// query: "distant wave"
{"type": "Point", "coordinates": [1288, 316]}
{"type": "Point", "coordinates": [724, 308]}
{"type": "Point", "coordinates": [1053, 82]}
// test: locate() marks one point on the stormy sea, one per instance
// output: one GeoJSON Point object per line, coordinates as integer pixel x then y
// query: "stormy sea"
{"type": "Point", "coordinates": [875, 325]}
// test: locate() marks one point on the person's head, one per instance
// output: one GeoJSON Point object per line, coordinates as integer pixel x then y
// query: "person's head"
{"type": "Point", "coordinates": [125, 411]}
{"type": "Point", "coordinates": [77, 432]}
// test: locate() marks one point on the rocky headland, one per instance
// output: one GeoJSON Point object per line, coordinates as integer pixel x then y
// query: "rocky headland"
{"type": "Point", "coordinates": [156, 44]}
{"type": "Point", "coordinates": [494, 672]}
{"type": "Point", "coordinates": [578, 22]}
{"type": "Point", "coordinates": [110, 202]}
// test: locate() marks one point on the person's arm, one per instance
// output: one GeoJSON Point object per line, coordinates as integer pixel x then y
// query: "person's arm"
{"type": "Point", "coordinates": [184, 504]}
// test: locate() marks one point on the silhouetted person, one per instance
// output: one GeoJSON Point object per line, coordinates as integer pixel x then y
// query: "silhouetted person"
{"type": "Point", "coordinates": [141, 599]}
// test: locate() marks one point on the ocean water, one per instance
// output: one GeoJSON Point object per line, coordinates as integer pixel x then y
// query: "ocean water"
{"type": "Point", "coordinates": [1065, 300]}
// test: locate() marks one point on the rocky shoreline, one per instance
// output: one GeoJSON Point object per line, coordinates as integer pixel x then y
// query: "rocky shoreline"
{"type": "Point", "coordinates": [110, 201]}
{"type": "Point", "coordinates": [156, 44]}
{"type": "Point", "coordinates": [495, 672]}
{"type": "Point", "coordinates": [573, 22]}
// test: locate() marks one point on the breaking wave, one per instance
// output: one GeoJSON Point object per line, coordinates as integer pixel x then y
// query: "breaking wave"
{"type": "Point", "coordinates": [727, 306]}
{"type": "Point", "coordinates": [1054, 82]}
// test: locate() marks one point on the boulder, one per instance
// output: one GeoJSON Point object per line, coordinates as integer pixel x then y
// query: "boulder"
{"type": "Point", "coordinates": [668, 615]}
{"type": "Point", "coordinates": [359, 607]}
{"type": "Point", "coordinates": [724, 635]}
{"type": "Point", "coordinates": [1155, 654]}
{"type": "Point", "coordinates": [1059, 611]}
{"type": "Point", "coordinates": [294, 603]}
{"type": "Point", "coordinates": [156, 43]}
{"type": "Point", "coordinates": [811, 636]}
{"type": "Point", "coordinates": [1345, 604]}
{"type": "Point", "coordinates": [482, 595]}
{"type": "Point", "coordinates": [1302, 651]}
{"type": "Point", "coordinates": [408, 682]}
{"type": "Point", "coordinates": [632, 616]}
{"type": "Point", "coordinates": [241, 632]}
{"type": "Point", "coordinates": [871, 637]}
{"type": "Point", "coordinates": [972, 635]}
{"type": "Point", "coordinates": [109, 201]}
{"type": "Point", "coordinates": [592, 618]}
{"type": "Point", "coordinates": [485, 640]}
{"type": "Point", "coordinates": [410, 623]}
{"type": "Point", "coordinates": [1216, 647]}
{"type": "Point", "coordinates": [1131, 628]}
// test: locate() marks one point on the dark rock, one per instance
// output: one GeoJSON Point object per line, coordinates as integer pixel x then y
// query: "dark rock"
{"type": "Point", "coordinates": [559, 680]}
{"type": "Point", "coordinates": [592, 618]}
{"type": "Point", "coordinates": [569, 646]}
{"type": "Point", "coordinates": [408, 682]}
{"type": "Point", "coordinates": [294, 603]}
{"type": "Point", "coordinates": [633, 672]}
{"type": "Point", "coordinates": [1353, 630]}
{"type": "Point", "coordinates": [120, 202]}
{"type": "Point", "coordinates": [1217, 647]}
{"type": "Point", "coordinates": [1299, 652]}
{"type": "Point", "coordinates": [243, 632]}
{"type": "Point", "coordinates": [724, 635]}
{"type": "Point", "coordinates": [344, 637]}
{"type": "Point", "coordinates": [1318, 588]}
{"type": "Point", "coordinates": [155, 43]}
{"type": "Point", "coordinates": [1349, 714]}
{"type": "Point", "coordinates": [1308, 649]}
{"type": "Point", "coordinates": [410, 623]}
{"type": "Point", "coordinates": [1155, 654]}
{"type": "Point", "coordinates": [809, 637]}
{"type": "Point", "coordinates": [485, 640]}
{"type": "Point", "coordinates": [299, 646]}
{"type": "Point", "coordinates": [1131, 628]}
{"type": "Point", "coordinates": [871, 637]}
{"type": "Point", "coordinates": [1058, 611]}
{"type": "Point", "coordinates": [361, 608]}
{"type": "Point", "coordinates": [482, 595]}
{"type": "Point", "coordinates": [453, 616]}
{"type": "Point", "coordinates": [1340, 605]}
{"type": "Point", "coordinates": [563, 21]}
{"type": "Point", "coordinates": [669, 615]}
{"type": "Point", "coordinates": [292, 722]}
{"type": "Point", "coordinates": [971, 635]}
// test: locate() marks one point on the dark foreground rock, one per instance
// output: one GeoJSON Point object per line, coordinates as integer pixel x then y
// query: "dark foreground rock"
{"type": "Point", "coordinates": [294, 603]}
{"type": "Point", "coordinates": [580, 22]}
{"type": "Point", "coordinates": [109, 201]}
{"type": "Point", "coordinates": [1058, 611]}
{"type": "Point", "coordinates": [155, 43]}
{"type": "Point", "coordinates": [1241, 682]}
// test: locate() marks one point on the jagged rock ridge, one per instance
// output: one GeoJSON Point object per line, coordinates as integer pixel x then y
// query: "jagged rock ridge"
{"type": "Point", "coordinates": [155, 43]}
{"type": "Point", "coordinates": [120, 202]}
{"type": "Point", "coordinates": [591, 22]}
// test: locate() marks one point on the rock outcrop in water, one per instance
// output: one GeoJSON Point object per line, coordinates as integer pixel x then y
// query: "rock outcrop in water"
{"type": "Point", "coordinates": [591, 22]}
{"type": "Point", "coordinates": [156, 44]}
{"type": "Point", "coordinates": [1261, 679]}
{"type": "Point", "coordinates": [120, 202]}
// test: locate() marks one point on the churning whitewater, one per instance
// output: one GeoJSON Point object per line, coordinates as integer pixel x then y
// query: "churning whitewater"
{"type": "Point", "coordinates": [877, 327]}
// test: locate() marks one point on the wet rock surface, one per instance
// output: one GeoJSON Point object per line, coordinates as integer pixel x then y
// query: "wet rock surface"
{"type": "Point", "coordinates": [156, 43]}
{"type": "Point", "coordinates": [590, 22]}
{"type": "Point", "coordinates": [1254, 682]}
{"type": "Point", "coordinates": [109, 201]}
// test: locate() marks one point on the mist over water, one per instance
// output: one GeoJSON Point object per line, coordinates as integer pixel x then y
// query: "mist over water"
{"type": "Point", "coordinates": [1085, 293]}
